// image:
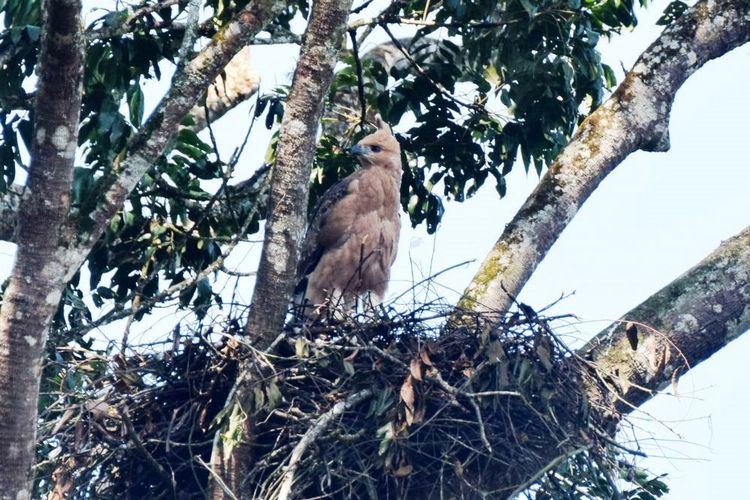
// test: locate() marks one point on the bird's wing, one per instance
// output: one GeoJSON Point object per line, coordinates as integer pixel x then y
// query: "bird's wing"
{"type": "Point", "coordinates": [312, 246]}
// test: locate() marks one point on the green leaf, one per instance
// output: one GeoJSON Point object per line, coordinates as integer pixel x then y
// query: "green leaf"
{"type": "Point", "coordinates": [672, 12]}
{"type": "Point", "coordinates": [135, 104]}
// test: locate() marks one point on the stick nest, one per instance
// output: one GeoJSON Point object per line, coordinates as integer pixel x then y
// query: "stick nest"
{"type": "Point", "coordinates": [395, 406]}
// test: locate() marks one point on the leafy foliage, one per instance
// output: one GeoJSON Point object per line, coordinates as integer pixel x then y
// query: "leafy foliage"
{"type": "Point", "coordinates": [528, 67]}
{"type": "Point", "coordinates": [531, 70]}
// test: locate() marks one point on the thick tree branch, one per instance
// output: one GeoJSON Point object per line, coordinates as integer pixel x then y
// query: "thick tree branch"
{"type": "Point", "coordinates": [146, 146]}
{"type": "Point", "coordinates": [678, 327]}
{"type": "Point", "coordinates": [237, 83]}
{"type": "Point", "coordinates": [291, 173]}
{"type": "Point", "coordinates": [38, 275]}
{"type": "Point", "coordinates": [635, 117]}
{"type": "Point", "coordinates": [682, 325]}
{"type": "Point", "coordinates": [286, 218]}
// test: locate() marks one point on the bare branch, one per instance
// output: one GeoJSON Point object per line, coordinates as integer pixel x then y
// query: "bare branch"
{"type": "Point", "coordinates": [237, 83]}
{"type": "Point", "coordinates": [313, 433]}
{"type": "Point", "coordinates": [678, 327]}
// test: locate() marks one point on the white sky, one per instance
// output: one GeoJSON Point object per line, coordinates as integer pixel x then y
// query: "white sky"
{"type": "Point", "coordinates": [649, 221]}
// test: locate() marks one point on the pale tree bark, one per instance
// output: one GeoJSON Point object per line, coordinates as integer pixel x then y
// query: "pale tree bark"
{"type": "Point", "coordinates": [50, 246]}
{"type": "Point", "coordinates": [237, 83]}
{"type": "Point", "coordinates": [677, 328]}
{"type": "Point", "coordinates": [680, 326]}
{"type": "Point", "coordinates": [635, 117]}
{"type": "Point", "coordinates": [38, 275]}
{"type": "Point", "coordinates": [285, 224]}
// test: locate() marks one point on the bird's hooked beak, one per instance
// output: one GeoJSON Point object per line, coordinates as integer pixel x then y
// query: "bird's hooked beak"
{"type": "Point", "coordinates": [359, 150]}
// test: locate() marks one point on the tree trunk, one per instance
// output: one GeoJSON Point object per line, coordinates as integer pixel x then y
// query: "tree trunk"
{"type": "Point", "coordinates": [39, 274]}
{"type": "Point", "coordinates": [285, 224]}
{"type": "Point", "coordinates": [50, 247]}
{"type": "Point", "coordinates": [635, 117]}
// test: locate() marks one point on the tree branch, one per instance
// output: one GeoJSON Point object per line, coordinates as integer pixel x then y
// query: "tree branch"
{"type": "Point", "coordinates": [635, 117]}
{"type": "Point", "coordinates": [286, 218]}
{"type": "Point", "coordinates": [151, 141]}
{"type": "Point", "coordinates": [237, 83]}
{"type": "Point", "coordinates": [682, 325]}
{"type": "Point", "coordinates": [313, 433]}
{"type": "Point", "coordinates": [291, 173]}
{"type": "Point", "coordinates": [678, 327]}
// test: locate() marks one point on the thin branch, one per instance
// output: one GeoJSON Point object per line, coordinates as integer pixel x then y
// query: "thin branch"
{"type": "Point", "coordinates": [215, 477]}
{"type": "Point", "coordinates": [127, 24]}
{"type": "Point", "coordinates": [438, 86]}
{"type": "Point", "coordinates": [188, 85]}
{"type": "Point", "coordinates": [313, 433]}
{"type": "Point", "coordinates": [188, 38]}
{"type": "Point", "coordinates": [360, 80]}
{"type": "Point", "coordinates": [166, 478]}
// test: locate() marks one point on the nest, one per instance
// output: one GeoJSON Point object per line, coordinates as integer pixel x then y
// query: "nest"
{"type": "Point", "coordinates": [397, 406]}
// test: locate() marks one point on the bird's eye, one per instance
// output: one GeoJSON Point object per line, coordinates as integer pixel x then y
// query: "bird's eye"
{"type": "Point", "coordinates": [375, 149]}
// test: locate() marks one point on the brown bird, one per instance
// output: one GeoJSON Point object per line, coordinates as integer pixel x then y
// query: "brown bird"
{"type": "Point", "coordinates": [352, 238]}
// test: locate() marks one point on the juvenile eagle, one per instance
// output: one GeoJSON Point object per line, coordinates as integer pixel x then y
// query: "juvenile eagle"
{"type": "Point", "coordinates": [352, 238]}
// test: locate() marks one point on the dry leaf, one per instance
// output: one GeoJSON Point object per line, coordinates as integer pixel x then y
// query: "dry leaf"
{"type": "Point", "coordinates": [63, 420]}
{"type": "Point", "coordinates": [403, 471]}
{"type": "Point", "coordinates": [631, 332]}
{"type": "Point", "coordinates": [543, 347]}
{"type": "Point", "coordinates": [675, 378]}
{"type": "Point", "coordinates": [415, 368]}
{"type": "Point", "coordinates": [425, 357]}
{"type": "Point", "coordinates": [458, 468]}
{"type": "Point", "coordinates": [495, 351]}
{"type": "Point", "coordinates": [504, 375]}
{"type": "Point", "coordinates": [407, 396]}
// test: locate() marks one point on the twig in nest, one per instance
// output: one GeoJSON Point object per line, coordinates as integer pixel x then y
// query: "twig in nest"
{"type": "Point", "coordinates": [133, 435]}
{"type": "Point", "coordinates": [312, 434]}
{"type": "Point", "coordinates": [216, 477]}
{"type": "Point", "coordinates": [480, 423]}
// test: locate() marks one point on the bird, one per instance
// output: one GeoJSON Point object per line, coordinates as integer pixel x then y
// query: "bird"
{"type": "Point", "coordinates": [352, 239]}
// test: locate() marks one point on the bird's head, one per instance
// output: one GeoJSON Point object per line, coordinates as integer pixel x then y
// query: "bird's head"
{"type": "Point", "coordinates": [379, 148]}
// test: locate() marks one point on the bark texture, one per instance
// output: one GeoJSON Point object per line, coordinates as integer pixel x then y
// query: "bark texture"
{"type": "Point", "coordinates": [291, 173]}
{"type": "Point", "coordinates": [286, 221]}
{"type": "Point", "coordinates": [50, 247]}
{"type": "Point", "coordinates": [39, 274]}
{"type": "Point", "coordinates": [236, 84]}
{"type": "Point", "coordinates": [680, 326]}
{"type": "Point", "coordinates": [635, 117]}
